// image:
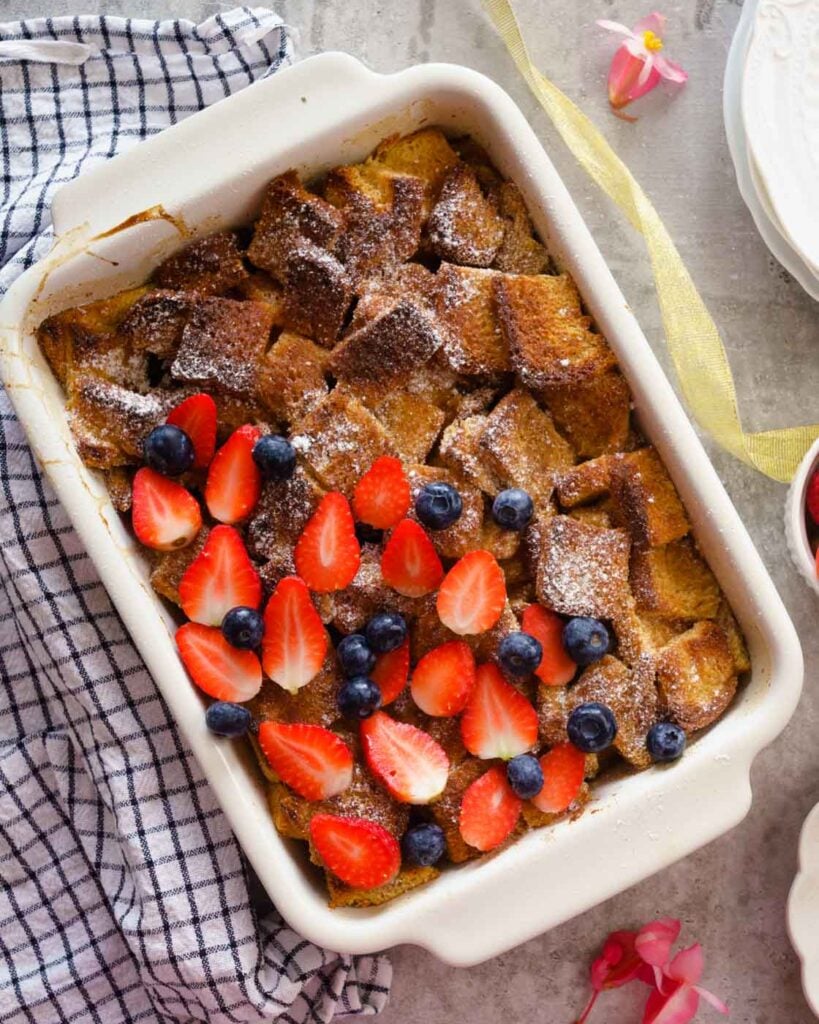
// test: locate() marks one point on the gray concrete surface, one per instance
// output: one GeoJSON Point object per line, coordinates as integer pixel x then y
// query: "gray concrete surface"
{"type": "Point", "coordinates": [731, 895]}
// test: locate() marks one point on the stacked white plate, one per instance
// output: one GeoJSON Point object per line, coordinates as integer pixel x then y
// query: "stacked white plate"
{"type": "Point", "coordinates": [771, 107]}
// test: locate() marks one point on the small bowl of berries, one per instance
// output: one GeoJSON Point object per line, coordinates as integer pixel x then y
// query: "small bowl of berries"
{"type": "Point", "coordinates": [802, 517]}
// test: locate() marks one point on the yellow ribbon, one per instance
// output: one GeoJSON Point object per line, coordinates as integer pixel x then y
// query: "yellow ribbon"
{"type": "Point", "coordinates": [693, 339]}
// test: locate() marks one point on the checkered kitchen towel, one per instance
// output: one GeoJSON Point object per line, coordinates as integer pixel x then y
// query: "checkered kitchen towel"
{"type": "Point", "coordinates": [123, 895]}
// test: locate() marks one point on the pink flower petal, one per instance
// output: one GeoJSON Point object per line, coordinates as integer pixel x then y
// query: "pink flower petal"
{"type": "Point", "coordinates": [687, 965]}
{"type": "Point", "coordinates": [617, 964]}
{"type": "Point", "coordinates": [614, 26]}
{"type": "Point", "coordinates": [654, 940]}
{"type": "Point", "coordinates": [670, 71]}
{"type": "Point", "coordinates": [654, 22]}
{"type": "Point", "coordinates": [677, 1008]}
{"type": "Point", "coordinates": [709, 997]}
{"type": "Point", "coordinates": [624, 78]}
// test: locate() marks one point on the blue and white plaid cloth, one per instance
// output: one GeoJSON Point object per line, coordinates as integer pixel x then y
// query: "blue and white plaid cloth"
{"type": "Point", "coordinates": [123, 894]}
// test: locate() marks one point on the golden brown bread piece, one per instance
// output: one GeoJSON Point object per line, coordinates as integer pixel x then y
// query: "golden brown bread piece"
{"type": "Point", "coordinates": [170, 566]}
{"type": "Point", "coordinates": [290, 380]}
{"type": "Point", "coordinates": [222, 344]}
{"type": "Point", "coordinates": [340, 439]}
{"type": "Point", "coordinates": [464, 226]}
{"type": "Point", "coordinates": [282, 513]}
{"type": "Point", "coordinates": [673, 581]}
{"type": "Point", "coordinates": [585, 482]}
{"type": "Point", "coordinates": [696, 676]}
{"type": "Point", "coordinates": [425, 154]}
{"type": "Point", "coordinates": [407, 879]}
{"type": "Point", "coordinates": [502, 544]}
{"type": "Point", "coordinates": [581, 569]}
{"type": "Point", "coordinates": [647, 499]}
{"type": "Point", "coordinates": [382, 290]}
{"type": "Point", "coordinates": [461, 451]}
{"type": "Point", "coordinates": [736, 641]}
{"type": "Point", "coordinates": [368, 594]}
{"type": "Point", "coordinates": [259, 286]}
{"type": "Point", "coordinates": [523, 446]}
{"type": "Point", "coordinates": [446, 810]}
{"type": "Point", "coordinates": [464, 534]}
{"type": "Point", "coordinates": [520, 252]}
{"type": "Point", "coordinates": [642, 633]}
{"type": "Point", "coordinates": [594, 515]}
{"type": "Point", "coordinates": [118, 482]}
{"type": "Point", "coordinates": [474, 343]}
{"type": "Point", "coordinates": [314, 703]}
{"type": "Point", "coordinates": [594, 414]}
{"type": "Point", "coordinates": [208, 266]}
{"type": "Point", "coordinates": [318, 291]}
{"type": "Point", "coordinates": [155, 322]}
{"type": "Point", "coordinates": [547, 334]}
{"type": "Point", "coordinates": [412, 422]}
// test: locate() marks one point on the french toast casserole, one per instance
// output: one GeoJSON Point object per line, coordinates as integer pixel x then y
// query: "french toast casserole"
{"type": "Point", "coordinates": [386, 469]}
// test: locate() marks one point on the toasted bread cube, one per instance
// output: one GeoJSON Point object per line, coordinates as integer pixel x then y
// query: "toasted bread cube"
{"type": "Point", "coordinates": [485, 645]}
{"type": "Point", "coordinates": [447, 810]}
{"type": "Point", "coordinates": [474, 342]}
{"type": "Point", "coordinates": [594, 414]}
{"type": "Point", "coordinates": [553, 706]}
{"type": "Point", "coordinates": [261, 287]}
{"type": "Point", "coordinates": [412, 422]}
{"type": "Point", "coordinates": [282, 513]}
{"type": "Point", "coordinates": [582, 569]}
{"type": "Point", "coordinates": [340, 439]}
{"type": "Point", "coordinates": [696, 676]}
{"type": "Point", "coordinates": [155, 322]}
{"type": "Point", "coordinates": [673, 581]}
{"type": "Point", "coordinates": [631, 694]}
{"type": "Point", "coordinates": [736, 641]}
{"type": "Point", "coordinates": [209, 266]}
{"type": "Point", "coordinates": [461, 451]}
{"type": "Point", "coordinates": [428, 630]}
{"type": "Point", "coordinates": [279, 564]}
{"type": "Point", "coordinates": [502, 544]}
{"type": "Point", "coordinates": [315, 703]}
{"type": "Point", "coordinates": [425, 154]}
{"type": "Point", "coordinates": [520, 252]}
{"type": "Point", "coordinates": [110, 422]}
{"type": "Point", "coordinates": [593, 515]}
{"type": "Point", "coordinates": [382, 291]}
{"type": "Point", "coordinates": [368, 594]}
{"type": "Point", "coordinates": [445, 731]}
{"type": "Point", "coordinates": [641, 634]}
{"type": "Point", "coordinates": [465, 533]}
{"type": "Point", "coordinates": [291, 377]}
{"type": "Point", "coordinates": [389, 347]}
{"type": "Point", "coordinates": [464, 226]}
{"type": "Point", "coordinates": [547, 334]}
{"type": "Point", "coordinates": [171, 566]}
{"type": "Point", "coordinates": [290, 217]}
{"type": "Point", "coordinates": [318, 291]}
{"type": "Point", "coordinates": [524, 448]}
{"type": "Point", "coordinates": [407, 879]}
{"type": "Point", "coordinates": [476, 402]}
{"type": "Point", "coordinates": [222, 344]}
{"type": "Point", "coordinates": [118, 483]}
{"type": "Point", "coordinates": [585, 482]}
{"type": "Point", "coordinates": [647, 499]}
{"type": "Point", "coordinates": [478, 160]}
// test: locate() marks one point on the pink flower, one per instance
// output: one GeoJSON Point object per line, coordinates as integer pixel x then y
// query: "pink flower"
{"type": "Point", "coordinates": [638, 66]}
{"type": "Point", "coordinates": [677, 1000]}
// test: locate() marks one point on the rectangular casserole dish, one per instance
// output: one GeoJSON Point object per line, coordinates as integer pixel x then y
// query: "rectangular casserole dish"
{"type": "Point", "coordinates": [116, 223]}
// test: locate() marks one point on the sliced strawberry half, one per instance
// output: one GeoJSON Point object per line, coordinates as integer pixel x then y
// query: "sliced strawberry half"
{"type": "Point", "coordinates": [498, 720]}
{"type": "Point", "coordinates": [391, 672]}
{"type": "Point", "coordinates": [197, 417]}
{"type": "Point", "coordinates": [409, 562]}
{"type": "Point", "coordinates": [327, 553]}
{"type": "Point", "coordinates": [295, 640]}
{"type": "Point", "coordinates": [556, 668]}
{"type": "Point", "coordinates": [443, 679]}
{"type": "Point", "coordinates": [221, 577]}
{"type": "Point", "coordinates": [217, 668]}
{"type": "Point", "coordinates": [489, 810]}
{"type": "Point", "coordinates": [234, 482]}
{"type": "Point", "coordinates": [363, 854]}
{"type": "Point", "coordinates": [564, 768]}
{"type": "Point", "coordinates": [407, 761]}
{"type": "Point", "coordinates": [163, 514]}
{"type": "Point", "coordinates": [472, 595]}
{"type": "Point", "coordinates": [382, 496]}
{"type": "Point", "coordinates": [313, 761]}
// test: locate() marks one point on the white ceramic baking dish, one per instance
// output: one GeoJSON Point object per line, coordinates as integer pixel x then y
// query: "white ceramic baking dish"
{"type": "Point", "coordinates": [208, 173]}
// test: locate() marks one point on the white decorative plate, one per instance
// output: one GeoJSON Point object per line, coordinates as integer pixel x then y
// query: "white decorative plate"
{"type": "Point", "coordinates": [780, 111]}
{"type": "Point", "coordinates": [803, 909]}
{"type": "Point", "coordinates": [746, 173]}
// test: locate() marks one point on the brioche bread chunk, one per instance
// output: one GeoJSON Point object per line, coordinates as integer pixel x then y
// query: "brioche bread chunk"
{"type": "Point", "coordinates": [585, 482]}
{"type": "Point", "coordinates": [647, 499]}
{"type": "Point", "coordinates": [736, 641]}
{"type": "Point", "coordinates": [474, 342]}
{"type": "Point", "coordinates": [407, 879]}
{"type": "Point", "coordinates": [673, 581]}
{"type": "Point", "coordinates": [318, 291]}
{"type": "Point", "coordinates": [412, 422]}
{"type": "Point", "coordinates": [426, 154]}
{"type": "Point", "coordinates": [222, 344]}
{"type": "Point", "coordinates": [696, 676]}
{"type": "Point", "coordinates": [291, 377]}
{"type": "Point", "coordinates": [525, 449]}
{"type": "Point", "coordinates": [170, 567]}
{"type": "Point", "coordinates": [641, 634]}
{"type": "Point", "coordinates": [594, 414]}
{"type": "Point", "coordinates": [519, 252]}
{"type": "Point", "coordinates": [380, 292]}
{"type": "Point", "coordinates": [446, 810]}
{"type": "Point", "coordinates": [208, 266]}
{"type": "Point", "coordinates": [282, 513]}
{"type": "Point", "coordinates": [594, 515]}
{"type": "Point", "coordinates": [118, 484]}
{"type": "Point", "coordinates": [155, 322]}
{"type": "Point", "coordinates": [314, 703]}
{"type": "Point", "coordinates": [368, 594]}
{"type": "Point", "coordinates": [340, 439]}
{"type": "Point", "coordinates": [547, 334]}
{"type": "Point", "coordinates": [582, 569]}
{"type": "Point", "coordinates": [461, 451]}
{"type": "Point", "coordinates": [464, 226]}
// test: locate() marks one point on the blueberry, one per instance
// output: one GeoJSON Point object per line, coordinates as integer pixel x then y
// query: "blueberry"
{"type": "Point", "coordinates": [512, 509]}
{"type": "Point", "coordinates": [358, 698]}
{"type": "Point", "coordinates": [525, 776]}
{"type": "Point", "coordinates": [586, 640]}
{"type": "Point", "coordinates": [423, 844]}
{"type": "Point", "coordinates": [355, 655]}
{"type": "Point", "coordinates": [385, 632]}
{"type": "Point", "coordinates": [592, 727]}
{"type": "Point", "coordinates": [227, 719]}
{"type": "Point", "coordinates": [275, 457]}
{"type": "Point", "coordinates": [438, 505]}
{"type": "Point", "coordinates": [519, 654]}
{"type": "Point", "coordinates": [665, 741]}
{"type": "Point", "coordinates": [168, 450]}
{"type": "Point", "coordinates": [243, 627]}
{"type": "Point", "coordinates": [366, 534]}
